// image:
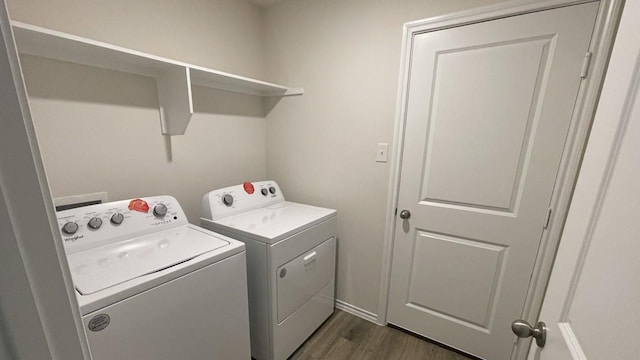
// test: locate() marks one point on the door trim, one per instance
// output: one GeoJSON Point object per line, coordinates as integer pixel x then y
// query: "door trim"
{"type": "Point", "coordinates": [586, 102]}
{"type": "Point", "coordinates": [41, 316]}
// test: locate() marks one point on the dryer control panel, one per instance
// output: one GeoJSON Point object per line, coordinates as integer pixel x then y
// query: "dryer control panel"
{"type": "Point", "coordinates": [97, 225]}
{"type": "Point", "coordinates": [221, 203]}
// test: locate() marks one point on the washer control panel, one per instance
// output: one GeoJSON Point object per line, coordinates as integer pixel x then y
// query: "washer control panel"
{"type": "Point", "coordinates": [96, 225]}
{"type": "Point", "coordinates": [235, 199]}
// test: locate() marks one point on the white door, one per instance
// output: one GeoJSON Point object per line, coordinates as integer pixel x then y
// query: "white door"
{"type": "Point", "coordinates": [487, 114]}
{"type": "Point", "coordinates": [591, 305]}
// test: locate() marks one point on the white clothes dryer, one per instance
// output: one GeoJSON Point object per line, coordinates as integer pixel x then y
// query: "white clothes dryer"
{"type": "Point", "coordinates": [152, 286]}
{"type": "Point", "coordinates": [290, 262]}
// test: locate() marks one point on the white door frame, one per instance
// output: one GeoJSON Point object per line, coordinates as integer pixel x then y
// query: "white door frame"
{"type": "Point", "coordinates": [600, 47]}
{"type": "Point", "coordinates": [39, 311]}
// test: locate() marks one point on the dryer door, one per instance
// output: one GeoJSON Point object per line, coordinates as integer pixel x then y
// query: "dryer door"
{"type": "Point", "coordinates": [303, 277]}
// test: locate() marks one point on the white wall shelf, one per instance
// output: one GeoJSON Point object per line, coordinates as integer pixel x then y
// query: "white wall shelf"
{"type": "Point", "coordinates": [173, 78]}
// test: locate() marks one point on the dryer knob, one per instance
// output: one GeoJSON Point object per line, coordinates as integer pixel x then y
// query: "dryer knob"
{"type": "Point", "coordinates": [160, 210]}
{"type": "Point", "coordinates": [70, 228]}
{"type": "Point", "coordinates": [117, 219]}
{"type": "Point", "coordinates": [272, 189]}
{"type": "Point", "coordinates": [227, 199]}
{"type": "Point", "coordinates": [95, 223]}
{"type": "Point", "coordinates": [264, 192]}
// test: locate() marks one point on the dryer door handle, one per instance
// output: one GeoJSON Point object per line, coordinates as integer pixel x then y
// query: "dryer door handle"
{"type": "Point", "coordinates": [309, 257]}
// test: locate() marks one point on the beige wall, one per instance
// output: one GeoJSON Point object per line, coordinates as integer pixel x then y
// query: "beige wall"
{"type": "Point", "coordinates": [321, 146]}
{"type": "Point", "coordinates": [221, 34]}
{"type": "Point", "coordinates": [99, 130]}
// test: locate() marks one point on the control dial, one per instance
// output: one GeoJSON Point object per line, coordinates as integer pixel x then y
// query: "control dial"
{"type": "Point", "coordinates": [117, 219]}
{"type": "Point", "coordinates": [264, 191]}
{"type": "Point", "coordinates": [272, 189]}
{"type": "Point", "coordinates": [227, 200]}
{"type": "Point", "coordinates": [95, 223]}
{"type": "Point", "coordinates": [70, 228]}
{"type": "Point", "coordinates": [160, 210]}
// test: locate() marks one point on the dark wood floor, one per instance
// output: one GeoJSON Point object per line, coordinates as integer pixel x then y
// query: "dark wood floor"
{"type": "Point", "coordinates": [344, 336]}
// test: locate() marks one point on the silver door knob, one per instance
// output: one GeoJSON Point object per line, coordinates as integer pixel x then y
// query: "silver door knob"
{"type": "Point", "coordinates": [405, 214]}
{"type": "Point", "coordinates": [523, 329]}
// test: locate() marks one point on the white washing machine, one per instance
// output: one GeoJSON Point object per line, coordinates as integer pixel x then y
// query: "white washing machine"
{"type": "Point", "coordinates": [290, 257]}
{"type": "Point", "coordinates": [152, 286]}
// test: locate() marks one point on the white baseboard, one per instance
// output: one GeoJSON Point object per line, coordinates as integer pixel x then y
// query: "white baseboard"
{"type": "Point", "coordinates": [354, 310]}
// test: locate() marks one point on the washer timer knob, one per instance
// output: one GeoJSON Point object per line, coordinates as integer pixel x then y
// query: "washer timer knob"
{"type": "Point", "coordinates": [95, 223]}
{"type": "Point", "coordinates": [160, 210]}
{"type": "Point", "coordinates": [70, 228]}
{"type": "Point", "coordinates": [264, 191]}
{"type": "Point", "coordinates": [272, 189]}
{"type": "Point", "coordinates": [117, 219]}
{"type": "Point", "coordinates": [227, 200]}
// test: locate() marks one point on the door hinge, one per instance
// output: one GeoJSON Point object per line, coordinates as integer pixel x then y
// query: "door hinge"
{"type": "Point", "coordinates": [547, 219]}
{"type": "Point", "coordinates": [586, 62]}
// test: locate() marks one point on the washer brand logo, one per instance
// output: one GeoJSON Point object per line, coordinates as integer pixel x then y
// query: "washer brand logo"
{"type": "Point", "coordinates": [99, 322]}
{"type": "Point", "coordinates": [74, 238]}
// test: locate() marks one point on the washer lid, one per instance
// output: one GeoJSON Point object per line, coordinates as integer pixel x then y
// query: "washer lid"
{"type": "Point", "coordinates": [99, 268]}
{"type": "Point", "coordinates": [275, 222]}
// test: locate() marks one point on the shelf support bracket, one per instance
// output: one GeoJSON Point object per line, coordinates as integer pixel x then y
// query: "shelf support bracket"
{"type": "Point", "coordinates": [174, 97]}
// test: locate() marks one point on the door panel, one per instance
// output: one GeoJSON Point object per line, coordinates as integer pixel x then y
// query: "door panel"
{"type": "Point", "coordinates": [487, 113]}
{"type": "Point", "coordinates": [472, 300]}
{"type": "Point", "coordinates": [456, 148]}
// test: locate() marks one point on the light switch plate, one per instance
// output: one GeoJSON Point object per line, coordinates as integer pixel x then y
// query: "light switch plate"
{"type": "Point", "coordinates": [382, 152]}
